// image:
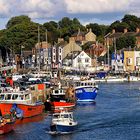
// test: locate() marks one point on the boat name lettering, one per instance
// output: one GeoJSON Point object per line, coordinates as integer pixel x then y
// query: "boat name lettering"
{"type": "Point", "coordinates": [88, 89]}
{"type": "Point", "coordinates": [79, 91]}
{"type": "Point", "coordinates": [31, 108]}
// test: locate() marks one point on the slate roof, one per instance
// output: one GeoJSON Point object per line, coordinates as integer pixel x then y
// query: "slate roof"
{"type": "Point", "coordinates": [72, 55]}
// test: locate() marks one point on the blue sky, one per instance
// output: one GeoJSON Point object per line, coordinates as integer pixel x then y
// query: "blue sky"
{"type": "Point", "coordinates": [87, 11]}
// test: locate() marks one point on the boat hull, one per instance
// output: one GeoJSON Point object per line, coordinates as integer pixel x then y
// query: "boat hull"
{"type": "Point", "coordinates": [86, 94]}
{"type": "Point", "coordinates": [6, 128]}
{"type": "Point", "coordinates": [28, 110]}
{"type": "Point", "coordinates": [57, 105]}
{"type": "Point", "coordinates": [64, 128]}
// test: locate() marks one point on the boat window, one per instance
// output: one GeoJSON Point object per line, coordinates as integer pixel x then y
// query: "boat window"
{"type": "Point", "coordinates": [82, 84]}
{"type": "Point", "coordinates": [1, 97]}
{"type": "Point", "coordinates": [65, 116]}
{"type": "Point", "coordinates": [20, 97]}
{"type": "Point", "coordinates": [27, 96]}
{"type": "Point", "coordinates": [8, 97]}
{"type": "Point", "coordinates": [71, 116]}
{"type": "Point", "coordinates": [85, 84]}
{"type": "Point", "coordinates": [14, 97]}
{"type": "Point", "coordinates": [56, 91]}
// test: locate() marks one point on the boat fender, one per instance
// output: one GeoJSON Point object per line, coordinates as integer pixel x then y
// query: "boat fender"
{"type": "Point", "coordinates": [70, 123]}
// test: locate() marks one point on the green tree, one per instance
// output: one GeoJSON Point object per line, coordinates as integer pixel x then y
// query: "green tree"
{"type": "Point", "coordinates": [18, 20]}
{"type": "Point", "coordinates": [21, 34]}
{"type": "Point", "coordinates": [125, 42]}
{"type": "Point", "coordinates": [96, 29]}
{"type": "Point", "coordinates": [132, 20]}
{"type": "Point", "coordinates": [121, 43]}
{"type": "Point", "coordinates": [118, 26]}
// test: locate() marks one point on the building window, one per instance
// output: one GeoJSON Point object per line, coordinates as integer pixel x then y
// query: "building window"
{"type": "Point", "coordinates": [129, 61]}
{"type": "Point", "coordinates": [138, 61]}
{"type": "Point", "coordinates": [53, 50]}
{"type": "Point", "coordinates": [54, 58]}
{"type": "Point", "coordinates": [60, 57]}
{"type": "Point", "coordinates": [60, 50]}
{"type": "Point", "coordinates": [79, 60]}
{"type": "Point", "coordinates": [87, 60]}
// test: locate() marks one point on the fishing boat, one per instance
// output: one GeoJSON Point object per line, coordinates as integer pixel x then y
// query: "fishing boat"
{"type": "Point", "coordinates": [6, 124]}
{"type": "Point", "coordinates": [63, 122]}
{"type": "Point", "coordinates": [86, 90]}
{"type": "Point", "coordinates": [20, 102]}
{"type": "Point", "coordinates": [58, 99]}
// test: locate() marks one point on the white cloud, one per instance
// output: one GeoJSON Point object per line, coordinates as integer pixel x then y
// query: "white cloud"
{"type": "Point", "coordinates": [55, 8]}
{"type": "Point", "coordinates": [3, 8]}
{"type": "Point", "coordinates": [96, 6]}
{"type": "Point", "coordinates": [33, 8]}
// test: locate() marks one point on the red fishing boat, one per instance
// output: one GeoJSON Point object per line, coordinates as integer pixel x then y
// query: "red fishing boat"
{"type": "Point", "coordinates": [21, 103]}
{"type": "Point", "coordinates": [6, 125]}
{"type": "Point", "coordinates": [58, 100]}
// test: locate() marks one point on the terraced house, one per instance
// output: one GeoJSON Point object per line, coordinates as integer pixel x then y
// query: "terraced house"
{"type": "Point", "coordinates": [111, 37]}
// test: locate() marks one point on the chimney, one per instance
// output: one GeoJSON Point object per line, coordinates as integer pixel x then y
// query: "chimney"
{"type": "Point", "coordinates": [137, 30]}
{"type": "Point", "coordinates": [71, 39]}
{"type": "Point", "coordinates": [60, 40]}
{"type": "Point", "coordinates": [113, 31]}
{"type": "Point", "coordinates": [90, 30]}
{"type": "Point", "coordinates": [125, 30]}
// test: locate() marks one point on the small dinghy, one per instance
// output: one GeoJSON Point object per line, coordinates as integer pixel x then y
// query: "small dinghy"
{"type": "Point", "coordinates": [63, 123]}
{"type": "Point", "coordinates": [6, 124]}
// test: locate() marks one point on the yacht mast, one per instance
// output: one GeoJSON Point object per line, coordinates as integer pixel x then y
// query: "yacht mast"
{"type": "Point", "coordinates": [38, 48]}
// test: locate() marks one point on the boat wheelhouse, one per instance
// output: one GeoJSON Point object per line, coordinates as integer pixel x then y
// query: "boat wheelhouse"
{"type": "Point", "coordinates": [86, 90]}
{"type": "Point", "coordinates": [22, 101]}
{"type": "Point", "coordinates": [58, 99]}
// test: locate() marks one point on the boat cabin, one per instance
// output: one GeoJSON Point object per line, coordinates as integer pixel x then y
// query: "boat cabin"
{"type": "Point", "coordinates": [57, 95]}
{"type": "Point", "coordinates": [15, 97]}
{"type": "Point", "coordinates": [63, 115]}
{"type": "Point", "coordinates": [85, 83]}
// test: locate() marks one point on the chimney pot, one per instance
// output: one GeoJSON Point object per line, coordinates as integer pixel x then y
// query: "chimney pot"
{"type": "Point", "coordinates": [113, 31]}
{"type": "Point", "coordinates": [137, 30]}
{"type": "Point", "coordinates": [125, 30]}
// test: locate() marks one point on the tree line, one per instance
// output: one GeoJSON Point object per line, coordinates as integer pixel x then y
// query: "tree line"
{"type": "Point", "coordinates": [21, 31]}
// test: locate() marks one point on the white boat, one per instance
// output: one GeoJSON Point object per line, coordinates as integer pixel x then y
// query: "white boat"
{"type": "Point", "coordinates": [63, 122]}
{"type": "Point", "coordinates": [111, 79]}
{"type": "Point", "coordinates": [133, 79]}
{"type": "Point", "coordinates": [115, 79]}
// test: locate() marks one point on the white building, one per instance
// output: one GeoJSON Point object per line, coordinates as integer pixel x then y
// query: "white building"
{"type": "Point", "coordinates": [81, 61]}
{"type": "Point", "coordinates": [78, 60]}
{"type": "Point", "coordinates": [117, 62]}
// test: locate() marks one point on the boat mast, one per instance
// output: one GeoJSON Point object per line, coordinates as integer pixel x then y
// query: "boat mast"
{"type": "Point", "coordinates": [115, 54]}
{"type": "Point", "coordinates": [38, 48]}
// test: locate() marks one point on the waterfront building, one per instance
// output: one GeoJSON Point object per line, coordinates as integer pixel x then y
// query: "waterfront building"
{"type": "Point", "coordinates": [70, 47]}
{"type": "Point", "coordinates": [110, 37]}
{"type": "Point", "coordinates": [131, 61]}
{"type": "Point", "coordinates": [81, 37]}
{"type": "Point", "coordinates": [41, 54]}
{"type": "Point", "coordinates": [117, 62]}
{"type": "Point", "coordinates": [78, 60]}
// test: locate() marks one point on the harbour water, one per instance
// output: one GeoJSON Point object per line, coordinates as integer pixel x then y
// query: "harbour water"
{"type": "Point", "coordinates": [114, 116]}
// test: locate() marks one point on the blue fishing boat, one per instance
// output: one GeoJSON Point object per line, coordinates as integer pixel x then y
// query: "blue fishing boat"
{"type": "Point", "coordinates": [86, 90]}
{"type": "Point", "coordinates": [62, 123]}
